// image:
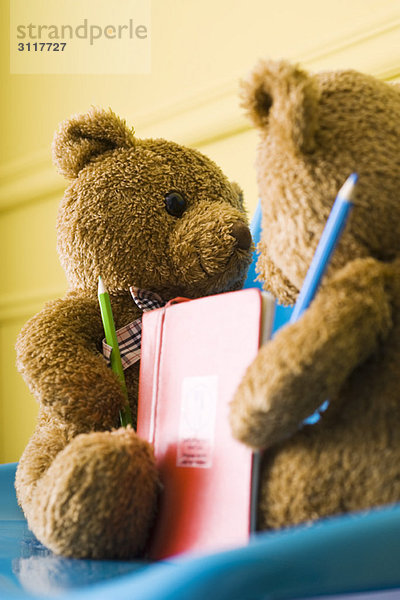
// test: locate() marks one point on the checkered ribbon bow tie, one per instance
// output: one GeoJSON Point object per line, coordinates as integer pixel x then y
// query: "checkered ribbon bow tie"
{"type": "Point", "coordinates": [130, 337]}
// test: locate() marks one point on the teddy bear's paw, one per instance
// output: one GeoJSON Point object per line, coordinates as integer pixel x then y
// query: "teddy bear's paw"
{"type": "Point", "coordinates": [248, 418]}
{"type": "Point", "coordinates": [259, 412]}
{"type": "Point", "coordinates": [98, 498]}
{"type": "Point", "coordinates": [249, 424]}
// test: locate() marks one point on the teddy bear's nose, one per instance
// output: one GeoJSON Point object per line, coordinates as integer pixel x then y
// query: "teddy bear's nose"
{"type": "Point", "coordinates": [242, 235]}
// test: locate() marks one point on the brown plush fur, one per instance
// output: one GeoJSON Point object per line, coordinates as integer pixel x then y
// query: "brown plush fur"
{"type": "Point", "coordinates": [89, 489]}
{"type": "Point", "coordinates": [314, 131]}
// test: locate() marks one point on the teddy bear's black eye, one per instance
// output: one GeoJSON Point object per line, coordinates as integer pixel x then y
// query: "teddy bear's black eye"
{"type": "Point", "coordinates": [175, 204]}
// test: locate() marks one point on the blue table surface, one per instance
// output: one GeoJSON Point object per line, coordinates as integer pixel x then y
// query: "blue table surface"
{"type": "Point", "coordinates": [354, 553]}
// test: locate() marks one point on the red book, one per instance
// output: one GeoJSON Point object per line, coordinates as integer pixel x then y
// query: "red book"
{"type": "Point", "coordinates": [194, 354]}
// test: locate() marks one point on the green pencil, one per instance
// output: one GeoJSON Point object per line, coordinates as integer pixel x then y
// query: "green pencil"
{"type": "Point", "coordinates": [111, 339]}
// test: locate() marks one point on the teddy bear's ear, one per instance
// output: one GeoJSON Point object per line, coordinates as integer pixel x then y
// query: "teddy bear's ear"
{"type": "Point", "coordinates": [83, 137]}
{"type": "Point", "coordinates": [282, 98]}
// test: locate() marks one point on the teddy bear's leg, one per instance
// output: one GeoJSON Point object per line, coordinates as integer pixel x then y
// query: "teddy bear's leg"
{"type": "Point", "coordinates": [295, 487]}
{"type": "Point", "coordinates": [48, 439]}
{"type": "Point", "coordinates": [97, 499]}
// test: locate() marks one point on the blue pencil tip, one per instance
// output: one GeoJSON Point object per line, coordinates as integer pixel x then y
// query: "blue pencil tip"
{"type": "Point", "coordinates": [346, 191]}
{"type": "Point", "coordinates": [353, 178]}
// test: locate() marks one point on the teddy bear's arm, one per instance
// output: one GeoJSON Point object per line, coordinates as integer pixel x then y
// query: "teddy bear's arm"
{"type": "Point", "coordinates": [58, 357]}
{"type": "Point", "coordinates": [308, 361]}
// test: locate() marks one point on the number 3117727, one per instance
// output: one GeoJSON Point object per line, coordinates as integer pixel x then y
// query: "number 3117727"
{"type": "Point", "coordinates": [42, 46]}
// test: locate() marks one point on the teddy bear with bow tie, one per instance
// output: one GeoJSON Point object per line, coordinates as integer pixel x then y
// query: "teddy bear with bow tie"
{"type": "Point", "coordinates": [145, 213]}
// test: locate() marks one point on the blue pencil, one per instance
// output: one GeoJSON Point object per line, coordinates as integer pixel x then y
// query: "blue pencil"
{"type": "Point", "coordinates": [327, 244]}
{"type": "Point", "coordinates": [330, 236]}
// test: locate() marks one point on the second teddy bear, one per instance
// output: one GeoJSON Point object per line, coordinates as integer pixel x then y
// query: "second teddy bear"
{"type": "Point", "coordinates": [314, 131]}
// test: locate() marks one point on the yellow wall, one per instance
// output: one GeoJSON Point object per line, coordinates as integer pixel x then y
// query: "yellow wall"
{"type": "Point", "coordinates": [200, 48]}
